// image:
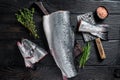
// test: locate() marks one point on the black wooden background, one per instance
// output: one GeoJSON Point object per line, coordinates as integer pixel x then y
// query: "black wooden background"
{"type": "Point", "coordinates": [12, 64]}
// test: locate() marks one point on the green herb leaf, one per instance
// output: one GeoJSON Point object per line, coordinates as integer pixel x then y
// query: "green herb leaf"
{"type": "Point", "coordinates": [85, 55]}
{"type": "Point", "coordinates": [25, 17]}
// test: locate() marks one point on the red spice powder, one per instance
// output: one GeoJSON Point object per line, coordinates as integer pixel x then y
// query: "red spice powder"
{"type": "Point", "coordinates": [102, 12]}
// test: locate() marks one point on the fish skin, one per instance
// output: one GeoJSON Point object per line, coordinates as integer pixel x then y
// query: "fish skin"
{"type": "Point", "coordinates": [93, 31]}
{"type": "Point", "coordinates": [31, 52]}
{"type": "Point", "coordinates": [60, 38]}
{"type": "Point", "coordinates": [87, 27]}
{"type": "Point", "coordinates": [88, 17]}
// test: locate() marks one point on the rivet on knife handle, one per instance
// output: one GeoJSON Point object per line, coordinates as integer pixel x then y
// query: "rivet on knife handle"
{"type": "Point", "coordinates": [100, 48]}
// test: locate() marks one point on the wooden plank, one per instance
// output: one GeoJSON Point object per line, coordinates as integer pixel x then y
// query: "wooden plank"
{"type": "Point", "coordinates": [41, 73]}
{"type": "Point", "coordinates": [80, 6]}
{"type": "Point", "coordinates": [95, 73]}
{"type": "Point", "coordinates": [11, 28]}
{"type": "Point", "coordinates": [7, 6]}
{"type": "Point", "coordinates": [12, 31]}
{"type": "Point", "coordinates": [113, 29]}
{"type": "Point", "coordinates": [11, 18]}
{"type": "Point", "coordinates": [88, 73]}
{"type": "Point", "coordinates": [112, 53]}
{"type": "Point", "coordinates": [111, 49]}
{"type": "Point", "coordinates": [10, 52]}
{"type": "Point", "coordinates": [12, 44]}
{"type": "Point", "coordinates": [110, 20]}
{"type": "Point", "coordinates": [14, 58]}
{"type": "Point", "coordinates": [113, 33]}
{"type": "Point", "coordinates": [8, 18]}
{"type": "Point", "coordinates": [13, 35]}
{"type": "Point", "coordinates": [95, 69]}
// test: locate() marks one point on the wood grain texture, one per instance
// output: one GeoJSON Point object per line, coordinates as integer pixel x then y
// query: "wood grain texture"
{"type": "Point", "coordinates": [100, 48]}
{"type": "Point", "coordinates": [111, 49]}
{"type": "Point", "coordinates": [53, 73]}
{"type": "Point", "coordinates": [81, 6]}
{"type": "Point", "coordinates": [11, 31]}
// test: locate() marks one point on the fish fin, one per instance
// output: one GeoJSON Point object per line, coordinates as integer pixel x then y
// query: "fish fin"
{"type": "Point", "coordinates": [28, 63]}
{"type": "Point", "coordinates": [21, 48]}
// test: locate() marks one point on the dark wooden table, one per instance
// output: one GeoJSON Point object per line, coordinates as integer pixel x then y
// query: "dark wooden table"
{"type": "Point", "coordinates": [12, 64]}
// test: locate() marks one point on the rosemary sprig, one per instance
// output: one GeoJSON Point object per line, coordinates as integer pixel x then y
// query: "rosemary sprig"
{"type": "Point", "coordinates": [85, 55]}
{"type": "Point", "coordinates": [25, 17]}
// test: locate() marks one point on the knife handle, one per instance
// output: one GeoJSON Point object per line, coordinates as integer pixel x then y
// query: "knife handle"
{"type": "Point", "coordinates": [100, 48]}
{"type": "Point", "coordinates": [41, 6]}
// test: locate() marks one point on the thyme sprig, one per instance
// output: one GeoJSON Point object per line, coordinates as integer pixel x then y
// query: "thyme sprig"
{"type": "Point", "coordinates": [25, 17]}
{"type": "Point", "coordinates": [85, 55]}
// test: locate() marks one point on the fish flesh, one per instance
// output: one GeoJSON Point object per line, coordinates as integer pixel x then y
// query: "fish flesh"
{"type": "Point", "coordinates": [88, 17]}
{"type": "Point", "coordinates": [60, 39]}
{"type": "Point", "coordinates": [89, 29]}
{"type": "Point", "coordinates": [92, 29]}
{"type": "Point", "coordinates": [31, 52]}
